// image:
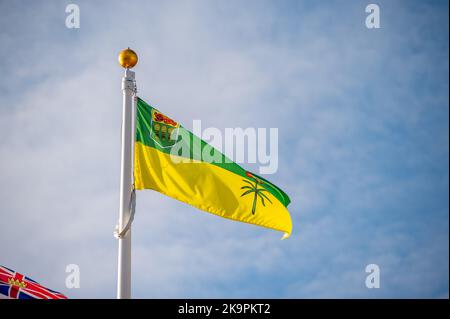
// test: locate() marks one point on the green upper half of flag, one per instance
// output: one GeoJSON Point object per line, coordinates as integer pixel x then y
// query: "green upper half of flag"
{"type": "Point", "coordinates": [156, 130]}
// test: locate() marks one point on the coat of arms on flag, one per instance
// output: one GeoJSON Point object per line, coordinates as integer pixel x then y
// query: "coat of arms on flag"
{"type": "Point", "coordinates": [18, 286]}
{"type": "Point", "coordinates": [164, 130]}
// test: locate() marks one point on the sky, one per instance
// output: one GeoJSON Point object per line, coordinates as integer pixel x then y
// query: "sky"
{"type": "Point", "coordinates": [363, 119]}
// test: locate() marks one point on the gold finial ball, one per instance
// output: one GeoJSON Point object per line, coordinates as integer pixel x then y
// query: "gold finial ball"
{"type": "Point", "coordinates": [128, 58]}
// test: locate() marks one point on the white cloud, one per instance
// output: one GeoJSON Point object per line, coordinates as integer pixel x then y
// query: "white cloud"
{"type": "Point", "coordinates": [325, 83]}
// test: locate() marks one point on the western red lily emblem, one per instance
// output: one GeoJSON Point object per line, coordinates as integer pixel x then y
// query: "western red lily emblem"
{"type": "Point", "coordinates": [253, 188]}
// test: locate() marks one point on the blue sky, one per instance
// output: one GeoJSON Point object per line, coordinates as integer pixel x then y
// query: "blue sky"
{"type": "Point", "coordinates": [364, 148]}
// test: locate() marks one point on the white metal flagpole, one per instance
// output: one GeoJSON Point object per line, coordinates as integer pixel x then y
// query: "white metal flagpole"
{"type": "Point", "coordinates": [127, 59]}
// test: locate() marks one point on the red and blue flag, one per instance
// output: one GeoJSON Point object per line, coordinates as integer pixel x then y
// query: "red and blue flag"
{"type": "Point", "coordinates": [18, 286]}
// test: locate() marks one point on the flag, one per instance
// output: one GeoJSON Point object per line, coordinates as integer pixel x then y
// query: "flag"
{"type": "Point", "coordinates": [18, 286]}
{"type": "Point", "coordinates": [170, 159]}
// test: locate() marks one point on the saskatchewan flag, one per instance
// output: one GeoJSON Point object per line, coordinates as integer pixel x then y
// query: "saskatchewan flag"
{"type": "Point", "coordinates": [171, 160]}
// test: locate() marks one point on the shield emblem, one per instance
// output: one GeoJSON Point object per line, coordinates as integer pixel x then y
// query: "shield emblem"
{"type": "Point", "coordinates": [164, 130]}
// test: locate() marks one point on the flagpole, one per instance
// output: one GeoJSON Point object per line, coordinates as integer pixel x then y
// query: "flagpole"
{"type": "Point", "coordinates": [127, 59]}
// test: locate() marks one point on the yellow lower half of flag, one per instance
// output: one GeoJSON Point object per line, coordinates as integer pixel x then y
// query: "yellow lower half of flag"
{"type": "Point", "coordinates": [207, 187]}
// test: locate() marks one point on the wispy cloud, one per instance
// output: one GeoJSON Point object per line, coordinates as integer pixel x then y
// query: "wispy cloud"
{"type": "Point", "coordinates": [363, 124]}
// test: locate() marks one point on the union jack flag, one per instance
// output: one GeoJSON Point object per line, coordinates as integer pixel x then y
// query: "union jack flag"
{"type": "Point", "coordinates": [18, 286]}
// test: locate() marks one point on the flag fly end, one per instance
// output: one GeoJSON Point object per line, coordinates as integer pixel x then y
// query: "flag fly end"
{"type": "Point", "coordinates": [285, 236]}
